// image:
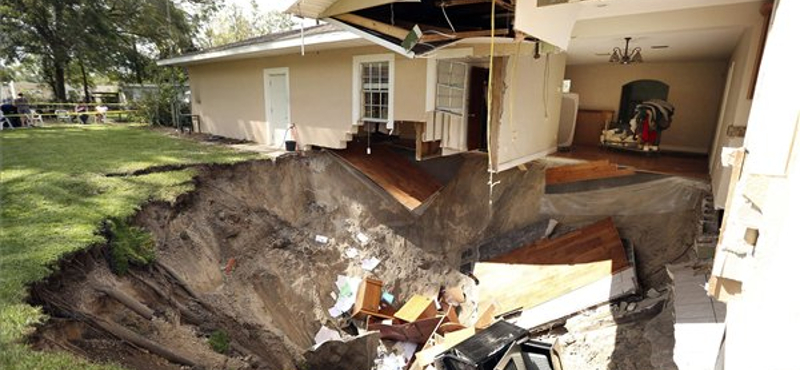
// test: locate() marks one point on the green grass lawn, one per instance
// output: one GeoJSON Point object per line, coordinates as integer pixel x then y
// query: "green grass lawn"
{"type": "Point", "coordinates": [53, 197]}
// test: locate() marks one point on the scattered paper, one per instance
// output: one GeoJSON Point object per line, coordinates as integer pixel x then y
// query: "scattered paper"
{"type": "Point", "coordinates": [370, 264]}
{"type": "Point", "coordinates": [347, 295]}
{"type": "Point", "coordinates": [325, 334]}
{"type": "Point", "coordinates": [351, 253]}
{"type": "Point", "coordinates": [409, 348]}
{"type": "Point", "coordinates": [322, 239]}
{"type": "Point", "coordinates": [362, 238]}
{"type": "Point", "coordinates": [335, 311]}
{"type": "Point", "coordinates": [390, 362]}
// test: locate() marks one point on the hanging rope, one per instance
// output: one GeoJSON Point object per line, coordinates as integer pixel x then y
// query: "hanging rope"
{"type": "Point", "coordinates": [489, 102]}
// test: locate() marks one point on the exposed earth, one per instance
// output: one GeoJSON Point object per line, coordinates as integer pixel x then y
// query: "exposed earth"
{"type": "Point", "coordinates": [240, 255]}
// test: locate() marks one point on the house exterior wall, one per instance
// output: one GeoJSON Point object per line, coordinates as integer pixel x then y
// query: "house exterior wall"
{"type": "Point", "coordinates": [766, 305]}
{"type": "Point", "coordinates": [695, 89]}
{"type": "Point", "coordinates": [229, 95]}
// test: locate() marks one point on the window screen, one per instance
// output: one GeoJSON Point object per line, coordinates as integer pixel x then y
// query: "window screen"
{"type": "Point", "coordinates": [375, 91]}
{"type": "Point", "coordinates": [451, 81]}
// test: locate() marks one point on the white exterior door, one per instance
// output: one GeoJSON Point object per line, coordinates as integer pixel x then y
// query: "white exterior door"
{"type": "Point", "coordinates": [276, 88]}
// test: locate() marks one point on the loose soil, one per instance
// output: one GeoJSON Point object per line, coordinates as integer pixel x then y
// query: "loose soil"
{"type": "Point", "coordinates": [238, 255]}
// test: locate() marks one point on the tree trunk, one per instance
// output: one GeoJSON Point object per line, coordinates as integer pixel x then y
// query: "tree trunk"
{"type": "Point", "coordinates": [59, 90]}
{"type": "Point", "coordinates": [86, 95]}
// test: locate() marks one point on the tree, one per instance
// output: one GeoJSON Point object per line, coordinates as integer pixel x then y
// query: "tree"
{"type": "Point", "coordinates": [232, 24]}
{"type": "Point", "coordinates": [110, 36]}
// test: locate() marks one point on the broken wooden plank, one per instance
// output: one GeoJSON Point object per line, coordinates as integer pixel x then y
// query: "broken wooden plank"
{"type": "Point", "coordinates": [486, 315]}
{"type": "Point", "coordinates": [559, 276]}
{"type": "Point", "coordinates": [428, 355]}
{"type": "Point", "coordinates": [415, 332]}
{"type": "Point", "coordinates": [618, 285]}
{"type": "Point", "coordinates": [373, 25]}
{"type": "Point", "coordinates": [463, 35]}
{"type": "Point", "coordinates": [417, 308]}
{"type": "Point", "coordinates": [448, 3]}
{"type": "Point", "coordinates": [585, 171]}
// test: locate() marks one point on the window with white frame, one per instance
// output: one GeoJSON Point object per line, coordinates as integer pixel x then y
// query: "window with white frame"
{"type": "Point", "coordinates": [373, 85]}
{"type": "Point", "coordinates": [451, 82]}
{"type": "Point", "coordinates": [375, 91]}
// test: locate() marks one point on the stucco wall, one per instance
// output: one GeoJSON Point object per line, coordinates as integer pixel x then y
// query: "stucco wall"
{"type": "Point", "coordinates": [229, 95]}
{"type": "Point", "coordinates": [695, 89]}
{"type": "Point", "coordinates": [735, 110]}
{"type": "Point", "coordinates": [531, 108]}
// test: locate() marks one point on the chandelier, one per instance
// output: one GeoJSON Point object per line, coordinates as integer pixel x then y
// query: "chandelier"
{"type": "Point", "coordinates": [618, 56]}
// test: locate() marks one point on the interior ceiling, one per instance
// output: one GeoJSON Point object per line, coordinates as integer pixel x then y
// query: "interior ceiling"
{"type": "Point", "coordinates": [591, 9]}
{"type": "Point", "coordinates": [438, 18]}
{"type": "Point", "coordinates": [603, 25]}
{"type": "Point", "coordinates": [692, 45]}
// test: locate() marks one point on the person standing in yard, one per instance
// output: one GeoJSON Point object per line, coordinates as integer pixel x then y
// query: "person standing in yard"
{"type": "Point", "coordinates": [23, 108]}
{"type": "Point", "coordinates": [82, 109]}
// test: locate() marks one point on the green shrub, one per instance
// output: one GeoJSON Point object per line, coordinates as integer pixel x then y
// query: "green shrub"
{"type": "Point", "coordinates": [155, 107]}
{"type": "Point", "coordinates": [129, 245]}
{"type": "Point", "coordinates": [219, 341]}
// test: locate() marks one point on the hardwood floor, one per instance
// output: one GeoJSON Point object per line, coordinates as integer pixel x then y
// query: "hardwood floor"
{"type": "Point", "coordinates": [688, 165]}
{"type": "Point", "coordinates": [401, 178]}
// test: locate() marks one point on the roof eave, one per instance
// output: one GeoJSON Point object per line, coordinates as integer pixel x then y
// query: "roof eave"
{"type": "Point", "coordinates": [318, 39]}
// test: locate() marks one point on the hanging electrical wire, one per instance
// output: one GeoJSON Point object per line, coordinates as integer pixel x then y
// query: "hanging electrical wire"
{"type": "Point", "coordinates": [448, 19]}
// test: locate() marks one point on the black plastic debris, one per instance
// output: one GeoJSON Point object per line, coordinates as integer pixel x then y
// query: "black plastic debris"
{"type": "Point", "coordinates": [484, 350]}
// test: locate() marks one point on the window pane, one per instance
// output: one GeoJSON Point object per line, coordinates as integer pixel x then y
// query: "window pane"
{"type": "Point", "coordinates": [375, 90]}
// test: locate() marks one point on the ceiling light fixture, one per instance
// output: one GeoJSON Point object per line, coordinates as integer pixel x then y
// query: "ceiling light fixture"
{"type": "Point", "coordinates": [624, 57]}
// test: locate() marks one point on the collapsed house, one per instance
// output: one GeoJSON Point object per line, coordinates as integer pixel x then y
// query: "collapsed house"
{"type": "Point", "coordinates": [449, 77]}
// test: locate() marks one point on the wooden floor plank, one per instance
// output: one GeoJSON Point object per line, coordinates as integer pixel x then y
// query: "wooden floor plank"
{"type": "Point", "coordinates": [406, 182]}
{"type": "Point", "coordinates": [585, 171]}
{"type": "Point", "coordinates": [689, 165]}
{"type": "Point", "coordinates": [545, 270]}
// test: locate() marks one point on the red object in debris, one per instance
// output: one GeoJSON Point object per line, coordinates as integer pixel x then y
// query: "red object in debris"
{"type": "Point", "coordinates": [230, 266]}
{"type": "Point", "coordinates": [649, 135]}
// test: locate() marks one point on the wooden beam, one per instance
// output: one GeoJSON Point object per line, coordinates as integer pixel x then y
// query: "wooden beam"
{"type": "Point", "coordinates": [463, 35]}
{"type": "Point", "coordinates": [498, 78]}
{"type": "Point", "coordinates": [374, 25]}
{"type": "Point", "coordinates": [501, 3]}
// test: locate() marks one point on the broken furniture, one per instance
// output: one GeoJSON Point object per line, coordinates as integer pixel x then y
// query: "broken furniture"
{"type": "Point", "coordinates": [368, 299]}
{"type": "Point", "coordinates": [554, 278]}
{"type": "Point", "coordinates": [417, 308]}
{"type": "Point", "coordinates": [592, 170]}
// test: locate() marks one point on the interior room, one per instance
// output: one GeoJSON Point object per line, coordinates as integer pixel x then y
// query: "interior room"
{"type": "Point", "coordinates": [615, 64]}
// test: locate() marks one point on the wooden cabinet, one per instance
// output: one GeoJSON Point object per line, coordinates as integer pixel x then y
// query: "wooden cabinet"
{"type": "Point", "coordinates": [590, 125]}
